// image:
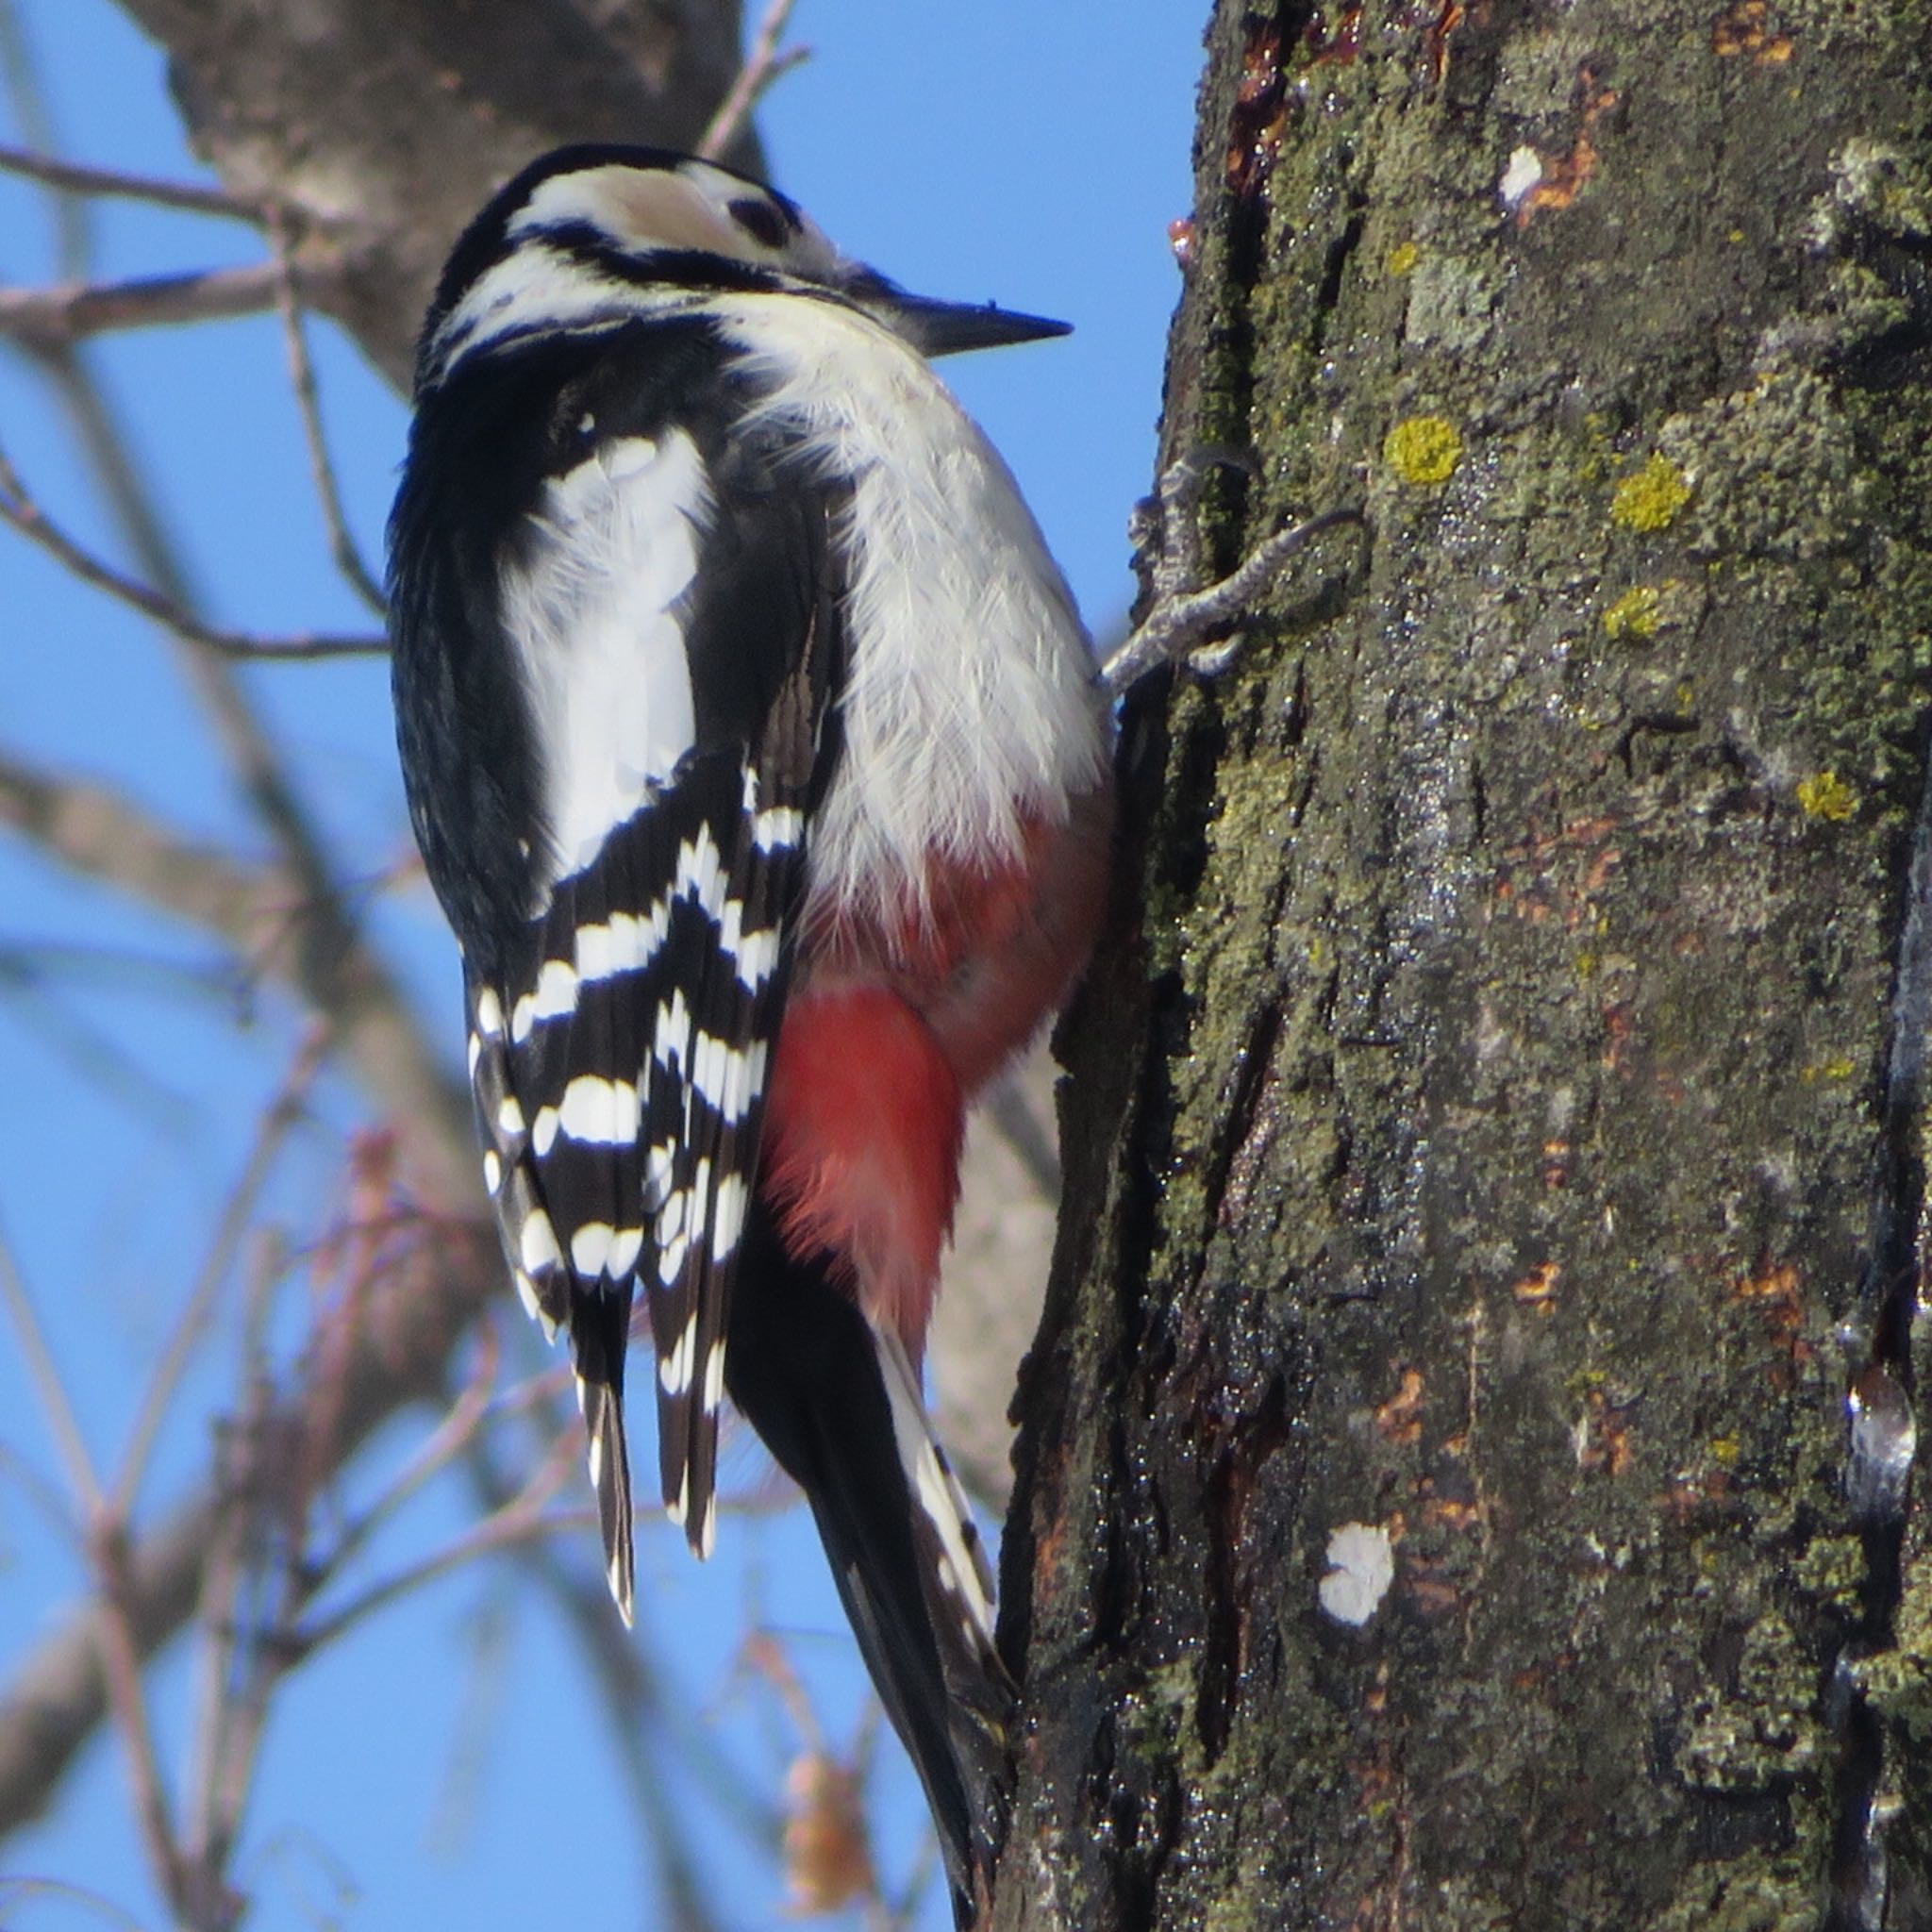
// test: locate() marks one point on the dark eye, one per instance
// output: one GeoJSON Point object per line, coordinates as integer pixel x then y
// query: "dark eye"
{"type": "Point", "coordinates": [762, 222]}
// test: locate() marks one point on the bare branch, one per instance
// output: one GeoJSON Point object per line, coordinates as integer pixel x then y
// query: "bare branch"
{"type": "Point", "coordinates": [119, 1660]}
{"type": "Point", "coordinates": [452, 1438]}
{"type": "Point", "coordinates": [69, 312]}
{"type": "Point", "coordinates": [76, 178]}
{"type": "Point", "coordinates": [523, 1521]}
{"type": "Point", "coordinates": [282, 1114]}
{"type": "Point", "coordinates": [403, 1340]}
{"type": "Point", "coordinates": [19, 509]}
{"type": "Point", "coordinates": [302, 380]}
{"type": "Point", "coordinates": [61, 1420]}
{"type": "Point", "coordinates": [761, 68]}
{"type": "Point", "coordinates": [18, 1891]}
{"type": "Point", "coordinates": [102, 835]}
{"type": "Point", "coordinates": [41, 1494]}
{"type": "Point", "coordinates": [264, 914]}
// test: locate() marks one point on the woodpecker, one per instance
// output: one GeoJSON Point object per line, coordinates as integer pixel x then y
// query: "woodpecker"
{"type": "Point", "coordinates": [756, 755]}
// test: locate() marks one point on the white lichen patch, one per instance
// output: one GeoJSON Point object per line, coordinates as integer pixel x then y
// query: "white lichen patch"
{"type": "Point", "coordinates": [1361, 1562]}
{"type": "Point", "coordinates": [1525, 169]}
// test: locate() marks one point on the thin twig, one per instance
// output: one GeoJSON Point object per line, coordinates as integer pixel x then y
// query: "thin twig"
{"type": "Point", "coordinates": [451, 1438]}
{"type": "Point", "coordinates": [15, 1891]}
{"type": "Point", "coordinates": [119, 1661]}
{"type": "Point", "coordinates": [76, 178]}
{"type": "Point", "coordinates": [762, 67]}
{"type": "Point", "coordinates": [525, 1520]}
{"type": "Point", "coordinates": [309, 402]}
{"type": "Point", "coordinates": [32, 115]}
{"type": "Point", "coordinates": [113, 1637]}
{"type": "Point", "coordinates": [104, 836]}
{"type": "Point", "coordinates": [61, 1420]}
{"type": "Point", "coordinates": [69, 312]}
{"type": "Point", "coordinates": [282, 1114]}
{"type": "Point", "coordinates": [22, 512]}
{"type": "Point", "coordinates": [41, 1494]}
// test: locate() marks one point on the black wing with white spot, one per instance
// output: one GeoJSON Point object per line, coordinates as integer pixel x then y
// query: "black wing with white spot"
{"type": "Point", "coordinates": [613, 746]}
{"type": "Point", "coordinates": [621, 1094]}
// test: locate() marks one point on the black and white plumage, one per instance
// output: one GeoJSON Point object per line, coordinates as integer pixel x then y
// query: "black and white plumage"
{"type": "Point", "coordinates": [753, 746]}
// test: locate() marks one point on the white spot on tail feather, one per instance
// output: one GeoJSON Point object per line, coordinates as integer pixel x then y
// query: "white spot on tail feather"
{"type": "Point", "coordinates": [526, 1294]}
{"type": "Point", "coordinates": [728, 1214]}
{"type": "Point", "coordinates": [600, 1112]}
{"type": "Point", "coordinates": [657, 1170]}
{"type": "Point", "coordinates": [537, 1243]}
{"type": "Point", "coordinates": [589, 1247]}
{"type": "Point", "coordinates": [674, 1365]}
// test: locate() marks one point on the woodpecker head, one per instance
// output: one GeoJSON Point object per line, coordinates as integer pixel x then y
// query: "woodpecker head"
{"type": "Point", "coordinates": [586, 235]}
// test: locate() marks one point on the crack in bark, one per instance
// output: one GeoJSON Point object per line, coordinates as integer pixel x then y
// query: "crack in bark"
{"type": "Point", "coordinates": [1880, 1439]}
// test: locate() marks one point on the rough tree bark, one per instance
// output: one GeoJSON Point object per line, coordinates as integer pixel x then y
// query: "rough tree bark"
{"type": "Point", "coordinates": [1496, 1132]}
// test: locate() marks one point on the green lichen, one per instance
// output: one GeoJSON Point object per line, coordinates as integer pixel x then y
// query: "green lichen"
{"type": "Point", "coordinates": [1884, 185]}
{"type": "Point", "coordinates": [1840, 1067]}
{"type": "Point", "coordinates": [1650, 499]}
{"type": "Point", "coordinates": [1452, 304]}
{"type": "Point", "coordinates": [1634, 616]}
{"type": "Point", "coordinates": [1402, 260]}
{"type": "Point", "coordinates": [1898, 1681]}
{"type": "Point", "coordinates": [1424, 450]}
{"type": "Point", "coordinates": [1825, 796]}
{"type": "Point", "coordinates": [1833, 1568]}
{"type": "Point", "coordinates": [1598, 447]}
{"type": "Point", "coordinates": [1765, 1730]}
{"type": "Point", "coordinates": [1779, 470]}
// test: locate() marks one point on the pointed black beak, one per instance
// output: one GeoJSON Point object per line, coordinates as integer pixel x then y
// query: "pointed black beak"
{"type": "Point", "coordinates": [947, 328]}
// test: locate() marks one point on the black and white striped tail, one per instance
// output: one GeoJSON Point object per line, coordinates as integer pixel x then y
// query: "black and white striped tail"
{"type": "Point", "coordinates": [596, 1314]}
{"type": "Point", "coordinates": [839, 1405]}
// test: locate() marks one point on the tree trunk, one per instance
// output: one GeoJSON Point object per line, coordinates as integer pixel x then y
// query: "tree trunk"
{"type": "Point", "coordinates": [1495, 1147]}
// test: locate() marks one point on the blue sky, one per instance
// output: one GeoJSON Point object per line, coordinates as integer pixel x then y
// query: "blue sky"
{"type": "Point", "coordinates": [1028, 154]}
